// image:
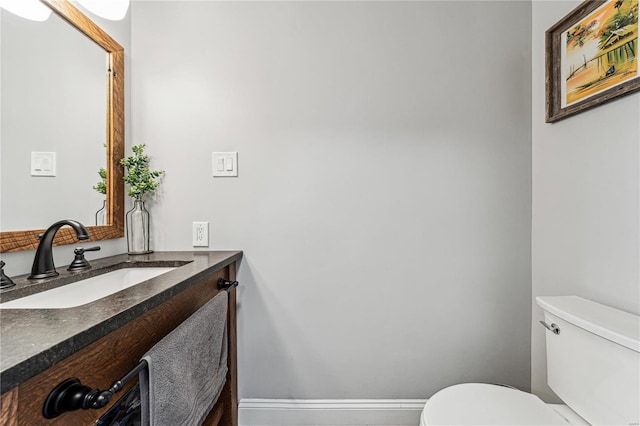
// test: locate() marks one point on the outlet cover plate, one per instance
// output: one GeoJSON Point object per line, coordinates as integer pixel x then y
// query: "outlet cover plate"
{"type": "Point", "coordinates": [201, 234]}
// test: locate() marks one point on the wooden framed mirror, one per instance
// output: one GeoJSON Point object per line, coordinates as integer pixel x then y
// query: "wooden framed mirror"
{"type": "Point", "coordinates": [27, 239]}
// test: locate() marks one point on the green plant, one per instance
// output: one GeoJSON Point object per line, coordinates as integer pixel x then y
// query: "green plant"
{"type": "Point", "coordinates": [101, 186]}
{"type": "Point", "coordinates": [141, 180]}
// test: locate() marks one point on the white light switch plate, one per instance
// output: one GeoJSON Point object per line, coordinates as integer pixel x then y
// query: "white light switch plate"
{"type": "Point", "coordinates": [225, 164]}
{"type": "Point", "coordinates": [43, 164]}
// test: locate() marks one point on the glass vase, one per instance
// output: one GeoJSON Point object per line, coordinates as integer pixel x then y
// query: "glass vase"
{"type": "Point", "coordinates": [138, 229]}
{"type": "Point", "coordinates": [101, 215]}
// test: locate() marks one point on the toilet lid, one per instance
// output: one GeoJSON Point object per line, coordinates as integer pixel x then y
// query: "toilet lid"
{"type": "Point", "coordinates": [483, 404]}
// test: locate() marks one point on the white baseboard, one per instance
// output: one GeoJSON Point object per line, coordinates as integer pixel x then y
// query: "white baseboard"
{"type": "Point", "coordinates": [343, 412]}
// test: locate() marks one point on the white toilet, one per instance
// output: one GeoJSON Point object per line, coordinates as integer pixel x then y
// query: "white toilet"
{"type": "Point", "coordinates": [593, 365]}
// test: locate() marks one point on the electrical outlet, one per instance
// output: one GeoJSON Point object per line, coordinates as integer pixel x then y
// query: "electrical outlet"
{"type": "Point", "coordinates": [201, 234]}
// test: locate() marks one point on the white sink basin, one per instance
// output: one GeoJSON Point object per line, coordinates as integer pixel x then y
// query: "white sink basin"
{"type": "Point", "coordinates": [85, 291]}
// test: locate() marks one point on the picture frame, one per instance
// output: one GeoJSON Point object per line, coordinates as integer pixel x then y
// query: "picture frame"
{"type": "Point", "coordinates": [591, 57]}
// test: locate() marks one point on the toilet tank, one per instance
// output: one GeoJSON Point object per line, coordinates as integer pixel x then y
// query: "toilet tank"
{"type": "Point", "coordinates": [593, 364]}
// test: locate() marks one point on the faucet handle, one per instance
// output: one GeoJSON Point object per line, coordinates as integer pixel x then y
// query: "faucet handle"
{"type": "Point", "coordinates": [5, 281]}
{"type": "Point", "coordinates": [81, 250]}
{"type": "Point", "coordinates": [80, 263]}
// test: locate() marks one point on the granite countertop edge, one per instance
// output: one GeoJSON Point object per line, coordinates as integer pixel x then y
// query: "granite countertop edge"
{"type": "Point", "coordinates": [130, 303]}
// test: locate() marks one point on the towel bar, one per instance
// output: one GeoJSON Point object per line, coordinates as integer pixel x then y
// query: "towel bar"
{"type": "Point", "coordinates": [226, 284]}
{"type": "Point", "coordinates": [72, 395]}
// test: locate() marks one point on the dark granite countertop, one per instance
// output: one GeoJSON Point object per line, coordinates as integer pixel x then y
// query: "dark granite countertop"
{"type": "Point", "coordinates": [31, 340]}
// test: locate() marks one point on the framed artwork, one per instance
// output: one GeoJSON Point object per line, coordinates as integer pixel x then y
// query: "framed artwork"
{"type": "Point", "coordinates": [591, 57]}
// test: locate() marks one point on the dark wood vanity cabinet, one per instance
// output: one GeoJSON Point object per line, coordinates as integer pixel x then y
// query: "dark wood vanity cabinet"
{"type": "Point", "coordinates": [113, 355]}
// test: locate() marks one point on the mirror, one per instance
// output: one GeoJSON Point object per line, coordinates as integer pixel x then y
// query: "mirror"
{"type": "Point", "coordinates": [53, 100]}
{"type": "Point", "coordinates": [84, 137]}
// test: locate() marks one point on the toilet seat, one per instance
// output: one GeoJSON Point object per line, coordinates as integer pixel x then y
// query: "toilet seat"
{"type": "Point", "coordinates": [484, 404]}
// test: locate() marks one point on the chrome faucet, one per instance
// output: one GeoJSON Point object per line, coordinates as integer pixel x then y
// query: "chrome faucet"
{"type": "Point", "coordinates": [43, 266]}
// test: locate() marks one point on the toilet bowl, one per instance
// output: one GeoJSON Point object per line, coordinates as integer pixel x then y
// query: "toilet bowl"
{"type": "Point", "coordinates": [486, 404]}
{"type": "Point", "coordinates": [593, 365]}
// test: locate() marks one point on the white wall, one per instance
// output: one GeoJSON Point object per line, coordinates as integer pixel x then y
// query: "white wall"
{"type": "Point", "coordinates": [383, 201]}
{"type": "Point", "coordinates": [585, 232]}
{"type": "Point", "coordinates": [20, 263]}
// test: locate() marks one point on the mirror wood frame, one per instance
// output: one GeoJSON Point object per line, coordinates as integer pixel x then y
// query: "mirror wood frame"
{"type": "Point", "coordinates": [13, 241]}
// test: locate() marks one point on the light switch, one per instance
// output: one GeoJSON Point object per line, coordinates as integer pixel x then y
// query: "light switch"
{"type": "Point", "coordinates": [228, 164]}
{"type": "Point", "coordinates": [219, 164]}
{"type": "Point", "coordinates": [225, 164]}
{"type": "Point", "coordinates": [43, 164]}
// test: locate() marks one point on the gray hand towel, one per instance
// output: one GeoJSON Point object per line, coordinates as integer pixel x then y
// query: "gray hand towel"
{"type": "Point", "coordinates": [187, 369]}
